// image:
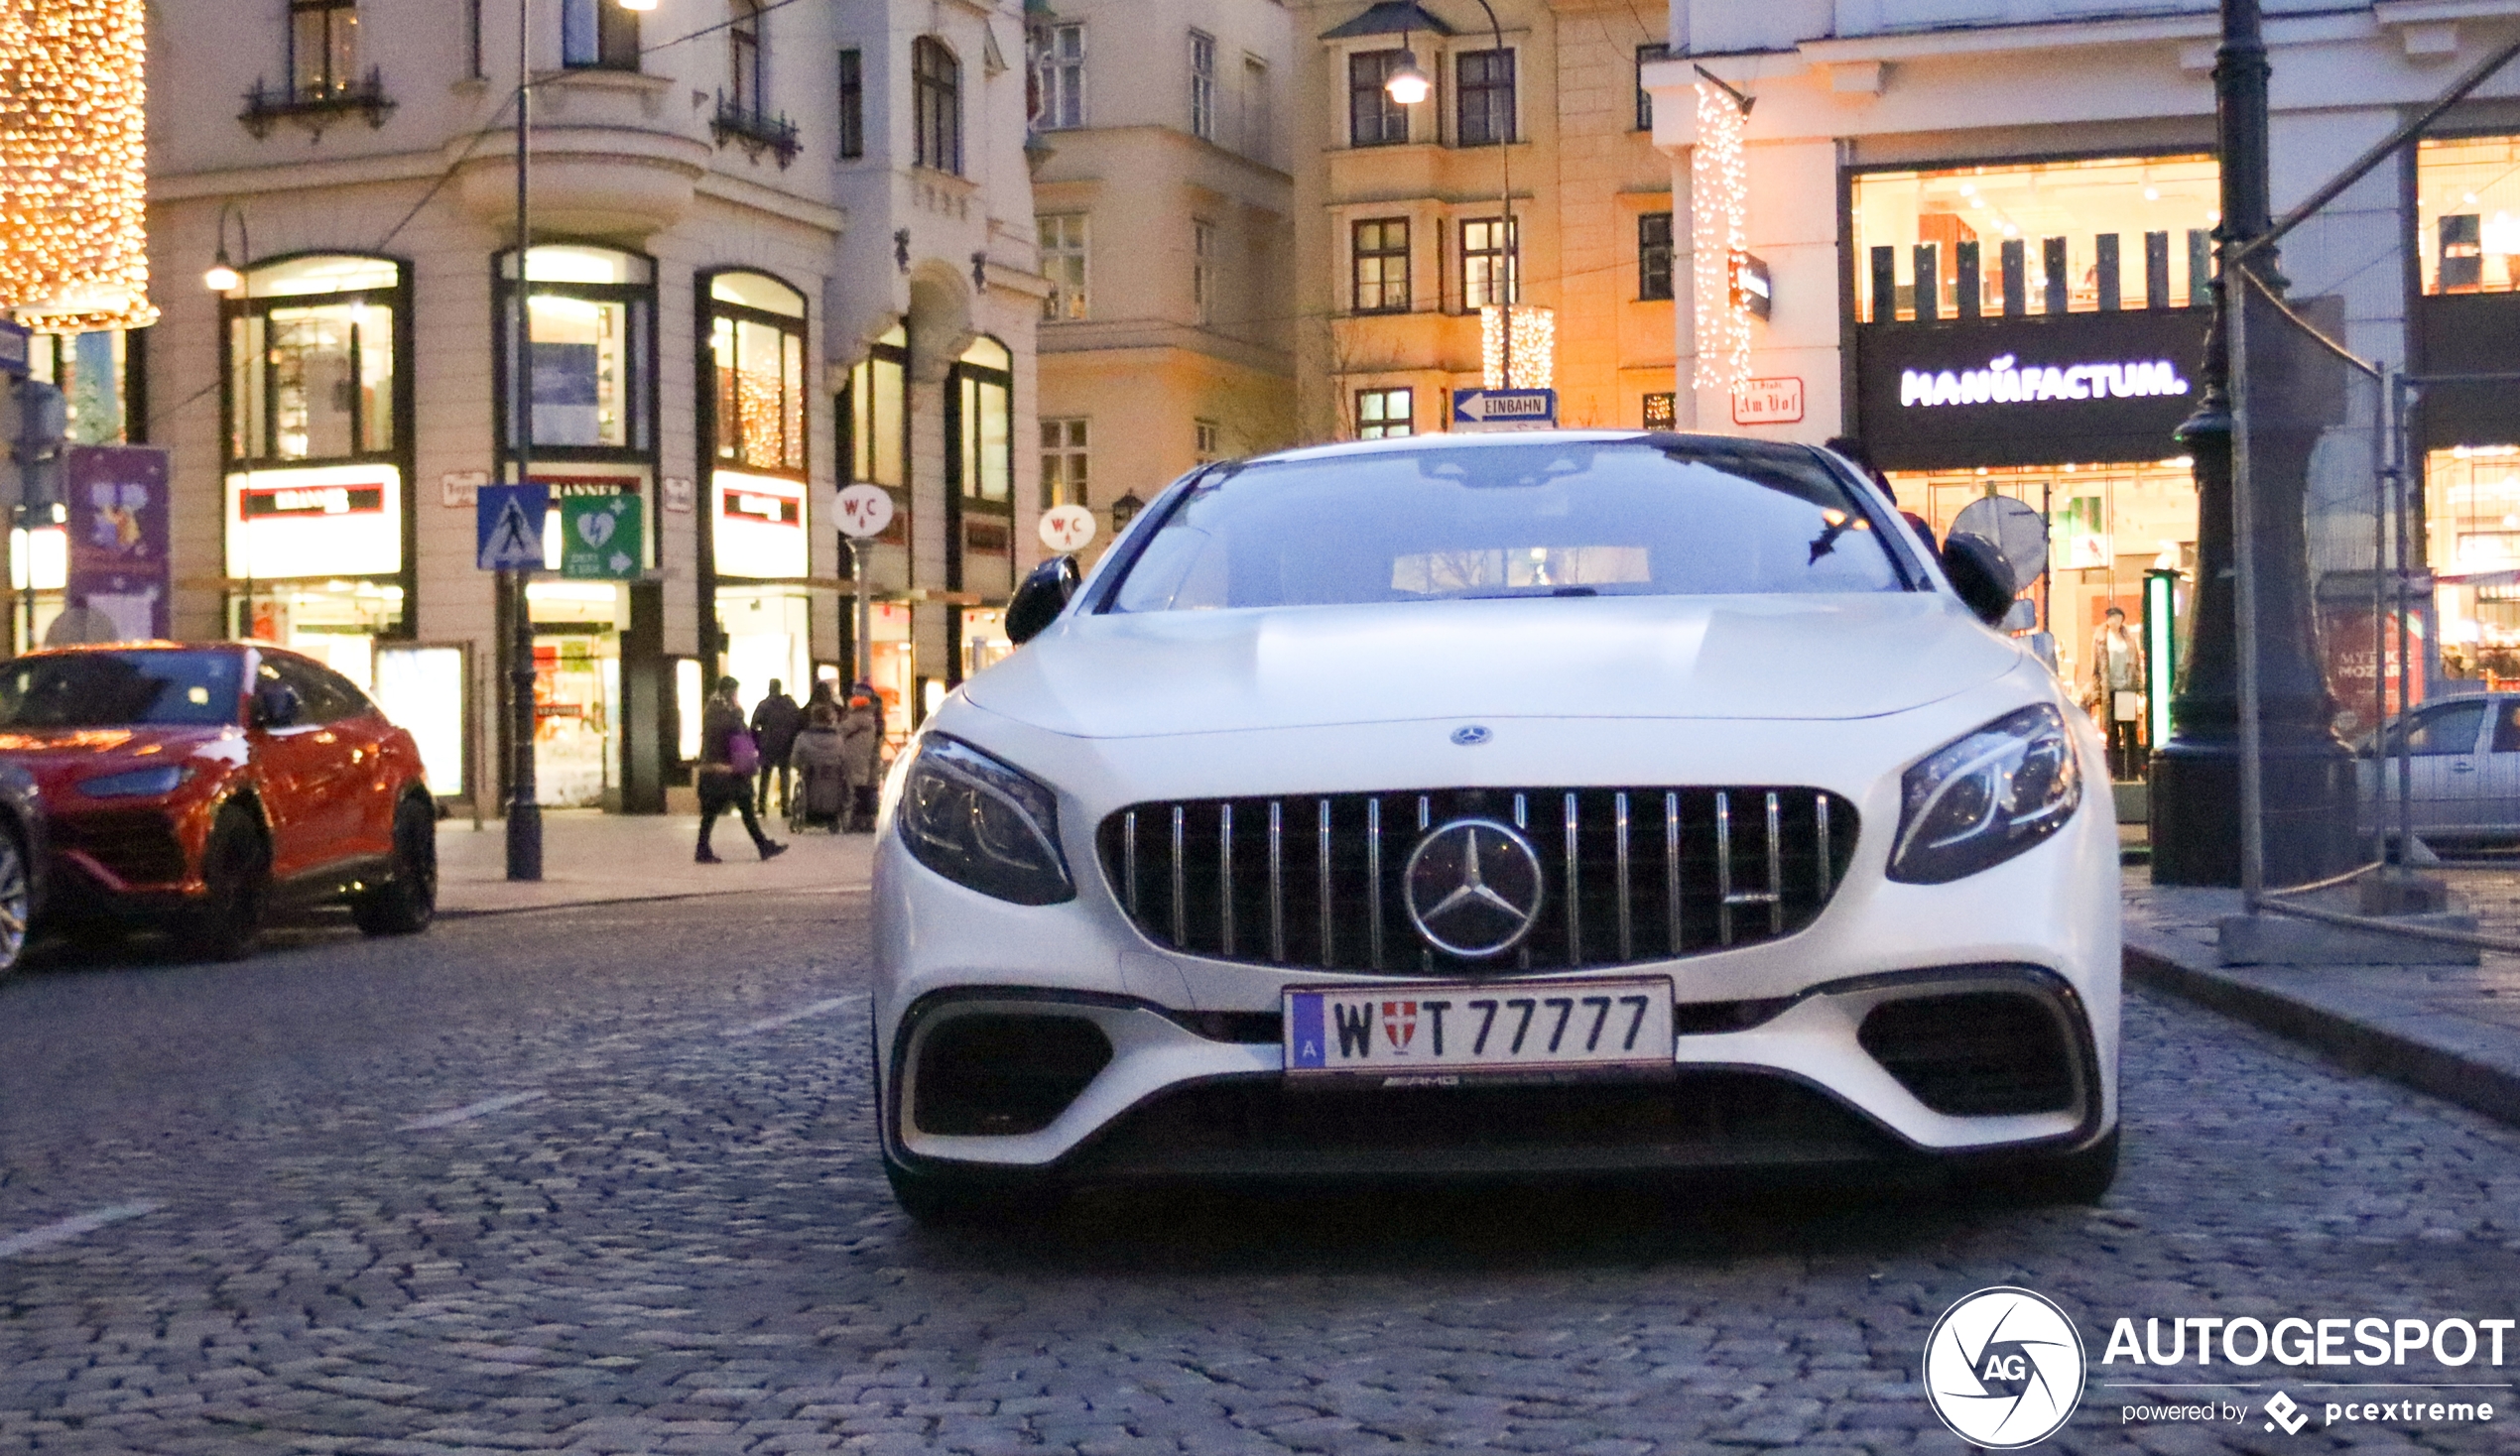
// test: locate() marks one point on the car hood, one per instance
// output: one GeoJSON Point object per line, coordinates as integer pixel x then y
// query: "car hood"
{"type": "Point", "coordinates": [49, 750]}
{"type": "Point", "coordinates": [1839, 657]}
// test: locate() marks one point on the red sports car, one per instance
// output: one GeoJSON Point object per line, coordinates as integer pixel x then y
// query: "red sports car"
{"type": "Point", "coordinates": [196, 786]}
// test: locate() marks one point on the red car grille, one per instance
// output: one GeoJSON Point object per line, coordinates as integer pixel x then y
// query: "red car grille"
{"type": "Point", "coordinates": [135, 846]}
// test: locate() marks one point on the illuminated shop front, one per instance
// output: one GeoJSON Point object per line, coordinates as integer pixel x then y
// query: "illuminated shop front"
{"type": "Point", "coordinates": [874, 421]}
{"type": "Point", "coordinates": [2467, 242]}
{"type": "Point", "coordinates": [601, 724]}
{"type": "Point", "coordinates": [759, 602]}
{"type": "Point", "coordinates": [980, 503]}
{"type": "Point", "coordinates": [317, 408]}
{"type": "Point", "coordinates": [2033, 329]}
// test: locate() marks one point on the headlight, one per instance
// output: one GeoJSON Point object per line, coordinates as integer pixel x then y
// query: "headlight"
{"type": "Point", "coordinates": [138, 783]}
{"type": "Point", "coordinates": [1978, 801]}
{"type": "Point", "coordinates": [980, 823]}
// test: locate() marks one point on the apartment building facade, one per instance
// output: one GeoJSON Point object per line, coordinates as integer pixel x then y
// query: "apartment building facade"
{"type": "Point", "coordinates": [1159, 133]}
{"type": "Point", "coordinates": [1405, 250]}
{"type": "Point", "coordinates": [775, 249]}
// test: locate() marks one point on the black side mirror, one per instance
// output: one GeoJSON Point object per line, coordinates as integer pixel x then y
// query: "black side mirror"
{"type": "Point", "coordinates": [1043, 595]}
{"type": "Point", "coordinates": [1981, 574]}
{"type": "Point", "coordinates": [275, 705]}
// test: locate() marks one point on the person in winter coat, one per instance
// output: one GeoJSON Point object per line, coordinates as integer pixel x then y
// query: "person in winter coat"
{"type": "Point", "coordinates": [774, 721]}
{"type": "Point", "coordinates": [723, 786]}
{"type": "Point", "coordinates": [862, 749]}
{"type": "Point", "coordinates": [820, 746]}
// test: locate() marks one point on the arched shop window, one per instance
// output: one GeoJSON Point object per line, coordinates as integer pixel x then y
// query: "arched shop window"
{"type": "Point", "coordinates": [872, 411]}
{"type": "Point", "coordinates": [985, 391]}
{"type": "Point", "coordinates": [591, 312]}
{"type": "Point", "coordinates": [757, 342]}
{"type": "Point", "coordinates": [312, 349]}
{"type": "Point", "coordinates": [316, 406]}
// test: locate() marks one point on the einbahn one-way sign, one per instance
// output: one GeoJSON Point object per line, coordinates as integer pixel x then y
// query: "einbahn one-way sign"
{"type": "Point", "coordinates": [1504, 409]}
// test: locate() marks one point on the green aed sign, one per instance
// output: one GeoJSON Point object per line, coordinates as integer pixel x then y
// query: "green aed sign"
{"type": "Point", "coordinates": [601, 538]}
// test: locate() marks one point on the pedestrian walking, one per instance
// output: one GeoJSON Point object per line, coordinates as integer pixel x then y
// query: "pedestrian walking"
{"type": "Point", "coordinates": [774, 721]}
{"type": "Point", "coordinates": [728, 757]}
{"type": "Point", "coordinates": [862, 748]}
{"type": "Point", "coordinates": [2117, 686]}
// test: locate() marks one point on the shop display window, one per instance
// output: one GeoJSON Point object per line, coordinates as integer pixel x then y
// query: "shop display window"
{"type": "Point", "coordinates": [2033, 238]}
{"type": "Point", "coordinates": [2467, 215]}
{"type": "Point", "coordinates": [985, 382]}
{"type": "Point", "coordinates": [757, 338]}
{"type": "Point", "coordinates": [874, 421]}
{"type": "Point", "coordinates": [93, 372]}
{"type": "Point", "coordinates": [591, 314]}
{"type": "Point", "coordinates": [2471, 522]}
{"type": "Point", "coordinates": [314, 354]}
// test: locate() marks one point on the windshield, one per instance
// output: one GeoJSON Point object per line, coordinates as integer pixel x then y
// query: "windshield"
{"type": "Point", "coordinates": [1560, 518]}
{"type": "Point", "coordinates": [119, 689]}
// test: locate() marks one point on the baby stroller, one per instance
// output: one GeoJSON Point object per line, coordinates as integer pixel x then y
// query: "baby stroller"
{"type": "Point", "coordinates": [821, 798]}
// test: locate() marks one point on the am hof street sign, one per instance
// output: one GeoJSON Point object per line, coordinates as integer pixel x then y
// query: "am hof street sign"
{"type": "Point", "coordinates": [1767, 402]}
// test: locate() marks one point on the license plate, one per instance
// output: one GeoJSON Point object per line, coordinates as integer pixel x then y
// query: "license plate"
{"type": "Point", "coordinates": [1432, 1036]}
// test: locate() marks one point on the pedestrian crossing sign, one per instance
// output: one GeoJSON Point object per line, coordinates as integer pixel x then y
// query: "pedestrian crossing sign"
{"type": "Point", "coordinates": [508, 523]}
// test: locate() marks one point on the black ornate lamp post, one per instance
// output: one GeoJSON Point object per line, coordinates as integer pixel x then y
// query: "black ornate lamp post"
{"type": "Point", "coordinates": [2307, 776]}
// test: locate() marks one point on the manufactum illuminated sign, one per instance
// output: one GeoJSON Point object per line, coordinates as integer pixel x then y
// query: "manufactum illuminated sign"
{"type": "Point", "coordinates": [2001, 382]}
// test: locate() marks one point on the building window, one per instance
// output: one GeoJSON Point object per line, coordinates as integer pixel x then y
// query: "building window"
{"type": "Point", "coordinates": [1488, 266]}
{"type": "Point", "coordinates": [1203, 271]}
{"type": "Point", "coordinates": [311, 350]}
{"type": "Point", "coordinates": [1662, 410]}
{"type": "Point", "coordinates": [1647, 56]}
{"type": "Point", "coordinates": [1203, 86]}
{"type": "Point", "coordinates": [599, 33]}
{"type": "Point", "coordinates": [853, 103]}
{"type": "Point", "coordinates": [1257, 111]}
{"type": "Point", "coordinates": [2036, 238]}
{"type": "Point", "coordinates": [1205, 436]}
{"type": "Point", "coordinates": [1062, 78]}
{"type": "Point", "coordinates": [937, 96]}
{"type": "Point", "coordinates": [2467, 215]}
{"type": "Point", "coordinates": [1486, 95]}
{"type": "Point", "coordinates": [1379, 250]}
{"type": "Point", "coordinates": [590, 325]}
{"type": "Point", "coordinates": [1382, 414]}
{"type": "Point", "coordinates": [748, 59]}
{"type": "Point", "coordinates": [324, 48]}
{"type": "Point", "coordinates": [877, 414]}
{"type": "Point", "coordinates": [1654, 254]}
{"type": "Point", "coordinates": [1063, 262]}
{"type": "Point", "coordinates": [1065, 463]}
{"type": "Point", "coordinates": [983, 389]}
{"type": "Point", "coordinates": [757, 329]}
{"type": "Point", "coordinates": [1373, 118]}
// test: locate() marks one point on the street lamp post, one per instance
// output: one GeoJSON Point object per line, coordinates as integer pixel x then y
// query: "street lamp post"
{"type": "Point", "coordinates": [1409, 85]}
{"type": "Point", "coordinates": [224, 277]}
{"type": "Point", "coordinates": [2197, 791]}
{"type": "Point", "coordinates": [524, 809]}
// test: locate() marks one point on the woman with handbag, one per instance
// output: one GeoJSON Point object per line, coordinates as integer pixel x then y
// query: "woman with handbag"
{"type": "Point", "coordinates": [728, 759]}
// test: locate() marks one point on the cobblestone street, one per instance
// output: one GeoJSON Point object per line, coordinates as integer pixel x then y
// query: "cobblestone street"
{"type": "Point", "coordinates": [602, 1179]}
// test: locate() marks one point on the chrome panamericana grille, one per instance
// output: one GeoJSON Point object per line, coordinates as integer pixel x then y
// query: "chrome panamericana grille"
{"type": "Point", "coordinates": [1630, 874]}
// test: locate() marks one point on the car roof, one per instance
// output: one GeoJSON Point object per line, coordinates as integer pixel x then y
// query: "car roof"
{"type": "Point", "coordinates": [157, 645]}
{"type": "Point", "coordinates": [1475, 439]}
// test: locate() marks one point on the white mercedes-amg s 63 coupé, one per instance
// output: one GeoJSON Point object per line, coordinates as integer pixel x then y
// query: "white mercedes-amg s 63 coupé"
{"type": "Point", "coordinates": [1523, 805]}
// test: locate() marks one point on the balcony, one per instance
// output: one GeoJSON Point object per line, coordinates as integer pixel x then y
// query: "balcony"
{"type": "Point", "coordinates": [754, 131]}
{"type": "Point", "coordinates": [315, 107]}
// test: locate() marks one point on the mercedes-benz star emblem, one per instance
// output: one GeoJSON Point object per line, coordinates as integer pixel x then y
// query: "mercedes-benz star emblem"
{"type": "Point", "coordinates": [1473, 888]}
{"type": "Point", "coordinates": [1470, 735]}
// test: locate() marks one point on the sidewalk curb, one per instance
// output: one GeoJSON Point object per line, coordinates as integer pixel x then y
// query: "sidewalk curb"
{"type": "Point", "coordinates": [566, 904]}
{"type": "Point", "coordinates": [2471, 1063]}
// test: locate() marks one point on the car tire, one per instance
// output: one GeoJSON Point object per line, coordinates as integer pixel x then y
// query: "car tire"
{"type": "Point", "coordinates": [236, 881]}
{"type": "Point", "coordinates": [947, 1200]}
{"type": "Point", "coordinates": [407, 902]}
{"type": "Point", "coordinates": [2082, 1178]}
{"type": "Point", "coordinates": [17, 899]}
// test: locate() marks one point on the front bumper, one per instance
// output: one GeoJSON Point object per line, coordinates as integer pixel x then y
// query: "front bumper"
{"type": "Point", "coordinates": [1773, 1068]}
